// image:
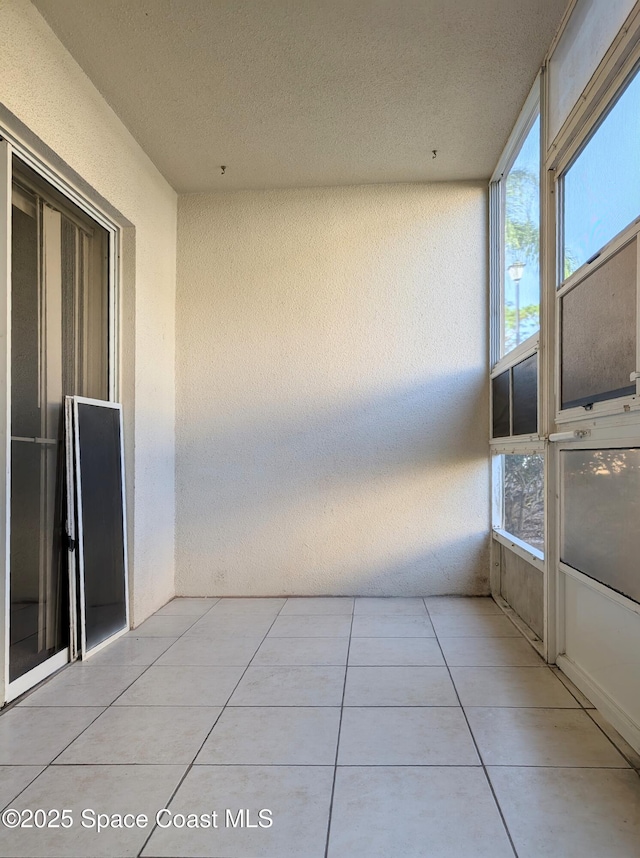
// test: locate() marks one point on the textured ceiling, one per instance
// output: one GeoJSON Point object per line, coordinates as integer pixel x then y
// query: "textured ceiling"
{"type": "Point", "coordinates": [294, 93]}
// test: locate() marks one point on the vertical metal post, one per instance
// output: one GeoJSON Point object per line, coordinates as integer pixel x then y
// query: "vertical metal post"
{"type": "Point", "coordinates": [5, 406]}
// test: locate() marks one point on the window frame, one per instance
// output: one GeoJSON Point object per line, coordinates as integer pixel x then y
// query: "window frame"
{"type": "Point", "coordinates": [607, 407]}
{"type": "Point", "coordinates": [514, 447]}
{"type": "Point", "coordinates": [497, 202]}
{"type": "Point", "coordinates": [499, 363]}
{"type": "Point", "coordinates": [525, 350]}
{"type": "Point", "coordinates": [603, 438]}
{"type": "Point", "coordinates": [622, 405]}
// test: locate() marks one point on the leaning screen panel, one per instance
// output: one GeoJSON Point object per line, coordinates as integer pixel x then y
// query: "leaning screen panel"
{"type": "Point", "coordinates": [101, 530]}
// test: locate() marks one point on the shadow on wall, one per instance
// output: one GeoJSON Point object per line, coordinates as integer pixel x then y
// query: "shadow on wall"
{"type": "Point", "coordinates": [439, 563]}
{"type": "Point", "coordinates": [389, 495]}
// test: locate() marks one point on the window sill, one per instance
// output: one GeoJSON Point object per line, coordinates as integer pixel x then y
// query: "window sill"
{"type": "Point", "coordinates": [518, 546]}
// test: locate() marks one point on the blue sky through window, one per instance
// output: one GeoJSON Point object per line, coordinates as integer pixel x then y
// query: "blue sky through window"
{"type": "Point", "coordinates": [602, 186]}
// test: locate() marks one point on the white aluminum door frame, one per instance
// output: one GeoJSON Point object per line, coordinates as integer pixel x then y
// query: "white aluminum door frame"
{"type": "Point", "coordinates": [10, 145]}
{"type": "Point", "coordinates": [9, 690]}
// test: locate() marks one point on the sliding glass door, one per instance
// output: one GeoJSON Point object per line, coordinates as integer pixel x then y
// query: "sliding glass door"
{"type": "Point", "coordinates": [59, 347]}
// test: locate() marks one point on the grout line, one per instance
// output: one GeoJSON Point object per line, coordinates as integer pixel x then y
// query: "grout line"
{"type": "Point", "coordinates": [222, 709]}
{"type": "Point", "coordinates": [305, 705]}
{"type": "Point", "coordinates": [329, 765]}
{"type": "Point", "coordinates": [218, 705]}
{"type": "Point", "coordinates": [473, 739]}
{"type": "Point", "coordinates": [11, 800]}
{"type": "Point", "coordinates": [528, 706]}
{"type": "Point", "coordinates": [103, 710]}
{"type": "Point", "coordinates": [342, 707]}
{"type": "Point", "coordinates": [478, 766]}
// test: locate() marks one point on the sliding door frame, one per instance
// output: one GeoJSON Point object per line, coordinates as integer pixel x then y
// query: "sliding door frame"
{"type": "Point", "coordinates": [10, 146]}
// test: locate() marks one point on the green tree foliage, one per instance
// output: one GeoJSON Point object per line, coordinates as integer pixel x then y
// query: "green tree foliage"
{"type": "Point", "coordinates": [570, 263]}
{"type": "Point", "coordinates": [524, 497]}
{"type": "Point", "coordinates": [529, 323]}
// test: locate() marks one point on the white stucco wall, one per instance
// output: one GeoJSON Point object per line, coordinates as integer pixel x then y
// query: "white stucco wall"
{"type": "Point", "coordinates": [331, 416]}
{"type": "Point", "coordinates": [47, 91]}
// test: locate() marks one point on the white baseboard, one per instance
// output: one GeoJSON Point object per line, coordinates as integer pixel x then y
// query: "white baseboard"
{"type": "Point", "coordinates": [628, 729]}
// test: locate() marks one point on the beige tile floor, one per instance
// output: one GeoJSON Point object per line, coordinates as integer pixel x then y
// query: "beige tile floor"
{"type": "Point", "coordinates": [369, 728]}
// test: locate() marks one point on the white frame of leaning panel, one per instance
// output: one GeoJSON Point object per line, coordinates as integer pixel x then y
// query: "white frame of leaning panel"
{"type": "Point", "coordinates": [77, 462]}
